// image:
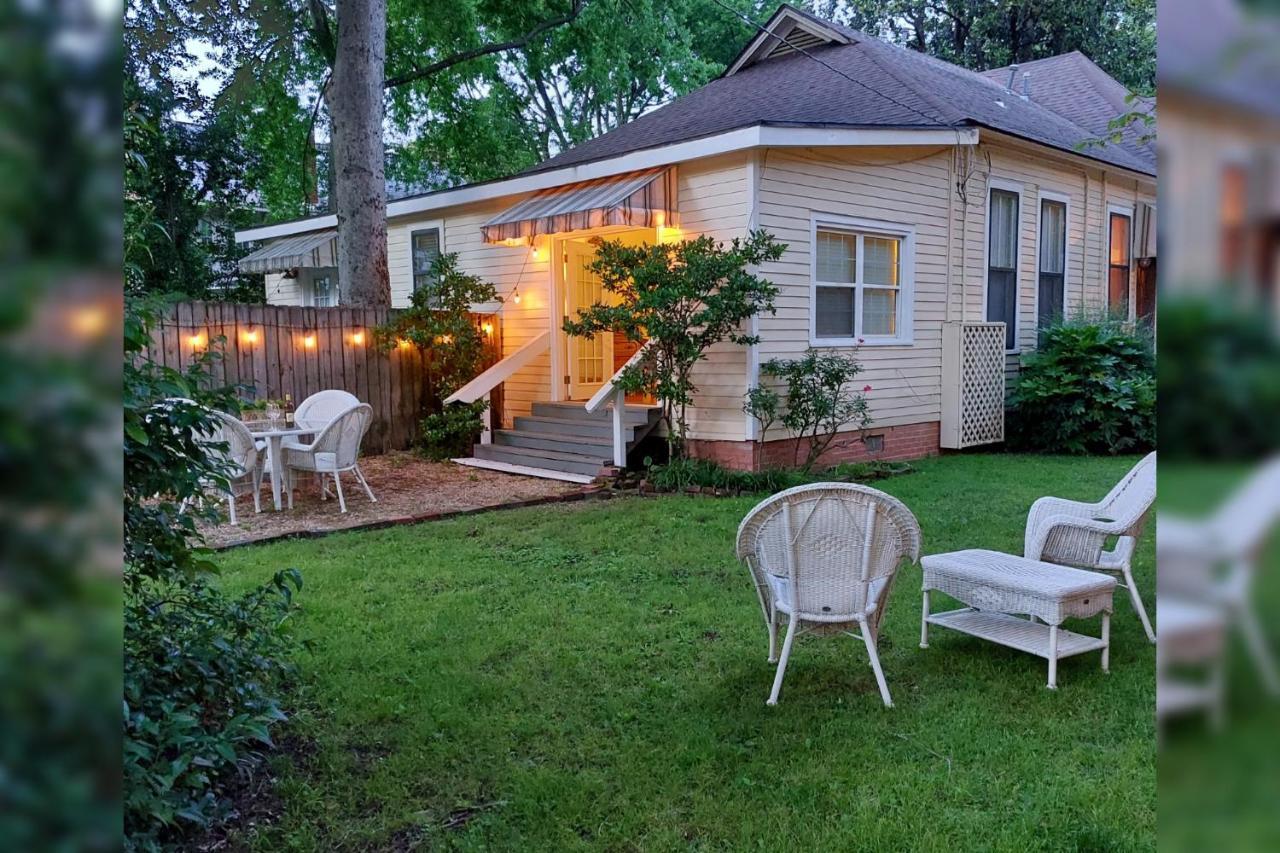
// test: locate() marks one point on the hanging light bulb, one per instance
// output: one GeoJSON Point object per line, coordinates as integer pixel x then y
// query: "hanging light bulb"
{"type": "Point", "coordinates": [515, 295]}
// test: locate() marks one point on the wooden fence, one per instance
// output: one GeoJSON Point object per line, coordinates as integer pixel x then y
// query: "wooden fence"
{"type": "Point", "coordinates": [274, 350]}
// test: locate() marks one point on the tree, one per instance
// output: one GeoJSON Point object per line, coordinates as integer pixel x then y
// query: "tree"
{"type": "Point", "coordinates": [678, 299]}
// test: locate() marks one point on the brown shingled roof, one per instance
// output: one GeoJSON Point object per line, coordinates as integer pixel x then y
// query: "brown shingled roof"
{"type": "Point", "coordinates": [891, 87]}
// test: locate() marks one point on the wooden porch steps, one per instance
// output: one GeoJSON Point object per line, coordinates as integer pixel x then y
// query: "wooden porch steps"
{"type": "Point", "coordinates": [559, 439]}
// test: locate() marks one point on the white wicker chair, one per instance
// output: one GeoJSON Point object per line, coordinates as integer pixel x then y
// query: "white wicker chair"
{"type": "Point", "coordinates": [825, 556]}
{"type": "Point", "coordinates": [1073, 533]}
{"type": "Point", "coordinates": [335, 450]}
{"type": "Point", "coordinates": [319, 409]}
{"type": "Point", "coordinates": [1214, 561]}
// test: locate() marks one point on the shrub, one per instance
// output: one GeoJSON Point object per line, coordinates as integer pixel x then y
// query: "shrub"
{"type": "Point", "coordinates": [1089, 388]}
{"type": "Point", "coordinates": [819, 401]}
{"type": "Point", "coordinates": [204, 672]}
{"type": "Point", "coordinates": [1219, 380]}
{"type": "Point", "coordinates": [451, 432]}
{"type": "Point", "coordinates": [682, 473]}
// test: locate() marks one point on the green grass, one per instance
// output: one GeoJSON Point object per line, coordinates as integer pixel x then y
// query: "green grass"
{"type": "Point", "coordinates": [593, 676]}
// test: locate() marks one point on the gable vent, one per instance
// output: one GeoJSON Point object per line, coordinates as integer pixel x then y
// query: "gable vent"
{"type": "Point", "coordinates": [798, 37]}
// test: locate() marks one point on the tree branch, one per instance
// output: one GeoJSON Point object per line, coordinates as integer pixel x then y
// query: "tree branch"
{"type": "Point", "coordinates": [485, 50]}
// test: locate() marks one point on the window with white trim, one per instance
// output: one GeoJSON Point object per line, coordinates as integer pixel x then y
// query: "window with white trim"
{"type": "Point", "coordinates": [323, 293]}
{"type": "Point", "coordinates": [425, 245]}
{"type": "Point", "coordinates": [859, 285]}
{"type": "Point", "coordinates": [1051, 297]}
{"type": "Point", "coordinates": [1002, 261]}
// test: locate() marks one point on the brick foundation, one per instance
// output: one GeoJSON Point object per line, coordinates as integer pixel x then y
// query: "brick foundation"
{"type": "Point", "coordinates": [911, 441]}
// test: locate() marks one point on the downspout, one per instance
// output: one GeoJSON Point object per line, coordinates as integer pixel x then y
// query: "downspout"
{"type": "Point", "coordinates": [1084, 254]}
{"type": "Point", "coordinates": [753, 351]}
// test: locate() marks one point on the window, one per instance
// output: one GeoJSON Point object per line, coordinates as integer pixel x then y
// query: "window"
{"type": "Point", "coordinates": [322, 291]}
{"type": "Point", "coordinates": [1118, 263]}
{"type": "Point", "coordinates": [861, 273]}
{"type": "Point", "coordinates": [1233, 214]}
{"type": "Point", "coordinates": [426, 249]}
{"type": "Point", "coordinates": [1002, 262]}
{"type": "Point", "coordinates": [1053, 260]}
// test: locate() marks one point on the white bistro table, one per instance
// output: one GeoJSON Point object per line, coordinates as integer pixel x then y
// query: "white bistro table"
{"type": "Point", "coordinates": [275, 437]}
{"type": "Point", "coordinates": [996, 586]}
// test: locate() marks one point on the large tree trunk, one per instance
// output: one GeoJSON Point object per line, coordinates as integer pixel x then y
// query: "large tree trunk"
{"type": "Point", "coordinates": [357, 163]}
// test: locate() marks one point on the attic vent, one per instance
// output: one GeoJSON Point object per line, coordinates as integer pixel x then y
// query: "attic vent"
{"type": "Point", "coordinates": [797, 38]}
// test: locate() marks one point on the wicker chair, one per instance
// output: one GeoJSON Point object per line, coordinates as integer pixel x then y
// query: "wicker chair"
{"type": "Point", "coordinates": [1214, 562]}
{"type": "Point", "coordinates": [335, 450]}
{"type": "Point", "coordinates": [1072, 533]}
{"type": "Point", "coordinates": [319, 409]}
{"type": "Point", "coordinates": [824, 556]}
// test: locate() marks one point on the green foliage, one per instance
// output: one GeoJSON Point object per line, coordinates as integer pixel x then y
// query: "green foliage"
{"type": "Point", "coordinates": [203, 671]}
{"type": "Point", "coordinates": [679, 474]}
{"type": "Point", "coordinates": [452, 431]}
{"type": "Point", "coordinates": [1220, 366]}
{"type": "Point", "coordinates": [819, 401]}
{"type": "Point", "coordinates": [681, 299]}
{"type": "Point", "coordinates": [1089, 388]}
{"type": "Point", "coordinates": [439, 323]}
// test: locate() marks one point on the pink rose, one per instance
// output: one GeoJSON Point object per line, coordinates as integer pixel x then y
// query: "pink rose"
{"type": "Point", "coordinates": [866, 388]}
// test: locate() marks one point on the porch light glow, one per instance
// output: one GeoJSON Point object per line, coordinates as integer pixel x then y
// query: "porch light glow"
{"type": "Point", "coordinates": [515, 295]}
{"type": "Point", "coordinates": [196, 341]}
{"type": "Point", "coordinates": [249, 336]}
{"type": "Point", "coordinates": [403, 343]}
{"type": "Point", "coordinates": [88, 321]}
{"type": "Point", "coordinates": [357, 338]}
{"type": "Point", "coordinates": [309, 340]}
{"type": "Point", "coordinates": [487, 328]}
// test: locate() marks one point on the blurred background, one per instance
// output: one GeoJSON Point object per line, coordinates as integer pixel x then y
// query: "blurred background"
{"type": "Point", "coordinates": [60, 459]}
{"type": "Point", "coordinates": [1218, 691]}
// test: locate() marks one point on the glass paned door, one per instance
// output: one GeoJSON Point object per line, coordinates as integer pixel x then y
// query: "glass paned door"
{"type": "Point", "coordinates": [590, 359]}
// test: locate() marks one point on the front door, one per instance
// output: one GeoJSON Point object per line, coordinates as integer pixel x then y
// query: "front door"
{"type": "Point", "coordinates": [590, 359]}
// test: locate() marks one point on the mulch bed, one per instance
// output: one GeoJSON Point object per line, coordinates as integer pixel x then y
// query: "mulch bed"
{"type": "Point", "coordinates": [408, 489]}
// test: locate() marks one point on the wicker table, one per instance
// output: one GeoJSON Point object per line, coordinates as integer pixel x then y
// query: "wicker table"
{"type": "Point", "coordinates": [997, 586]}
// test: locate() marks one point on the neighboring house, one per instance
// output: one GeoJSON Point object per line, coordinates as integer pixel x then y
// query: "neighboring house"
{"type": "Point", "coordinates": [929, 212]}
{"type": "Point", "coordinates": [1220, 147]}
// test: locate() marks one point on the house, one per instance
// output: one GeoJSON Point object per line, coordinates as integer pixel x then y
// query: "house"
{"type": "Point", "coordinates": [935, 214]}
{"type": "Point", "coordinates": [1220, 141]}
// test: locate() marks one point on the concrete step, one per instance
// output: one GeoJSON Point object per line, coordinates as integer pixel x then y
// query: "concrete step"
{"type": "Point", "coordinates": [524, 470]}
{"type": "Point", "coordinates": [575, 463]}
{"type": "Point", "coordinates": [634, 414]}
{"type": "Point", "coordinates": [587, 446]}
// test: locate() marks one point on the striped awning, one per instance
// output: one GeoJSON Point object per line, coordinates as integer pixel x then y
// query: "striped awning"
{"type": "Point", "coordinates": [319, 249]}
{"type": "Point", "coordinates": [645, 199]}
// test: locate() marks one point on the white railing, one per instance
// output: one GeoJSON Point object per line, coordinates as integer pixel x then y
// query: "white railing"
{"type": "Point", "coordinates": [609, 391]}
{"type": "Point", "coordinates": [482, 385]}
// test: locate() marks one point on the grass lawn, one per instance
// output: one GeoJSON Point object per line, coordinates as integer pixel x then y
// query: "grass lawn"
{"type": "Point", "coordinates": [593, 676]}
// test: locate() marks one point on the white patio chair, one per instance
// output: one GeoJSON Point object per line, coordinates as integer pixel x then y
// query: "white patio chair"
{"type": "Point", "coordinates": [335, 450]}
{"type": "Point", "coordinates": [242, 460]}
{"type": "Point", "coordinates": [1214, 561]}
{"type": "Point", "coordinates": [1074, 533]}
{"type": "Point", "coordinates": [824, 556]}
{"type": "Point", "coordinates": [316, 411]}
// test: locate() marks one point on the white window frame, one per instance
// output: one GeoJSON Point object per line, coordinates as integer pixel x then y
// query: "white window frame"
{"type": "Point", "coordinates": [1129, 210]}
{"type": "Point", "coordinates": [905, 322]}
{"type": "Point", "coordinates": [1012, 186]}
{"type": "Point", "coordinates": [414, 227]}
{"type": "Point", "coordinates": [1065, 198]}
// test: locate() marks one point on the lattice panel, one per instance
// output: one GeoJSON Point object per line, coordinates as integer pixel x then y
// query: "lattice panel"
{"type": "Point", "coordinates": [973, 384]}
{"type": "Point", "coordinates": [982, 384]}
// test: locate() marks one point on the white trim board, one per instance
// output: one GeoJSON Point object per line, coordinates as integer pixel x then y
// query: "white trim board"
{"type": "Point", "coordinates": [524, 470]}
{"type": "Point", "coordinates": [755, 136]}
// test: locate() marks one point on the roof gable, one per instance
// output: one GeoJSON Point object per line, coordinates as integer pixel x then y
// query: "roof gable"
{"type": "Point", "coordinates": [788, 31]}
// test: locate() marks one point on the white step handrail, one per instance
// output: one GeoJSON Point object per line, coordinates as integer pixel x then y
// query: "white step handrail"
{"type": "Point", "coordinates": [610, 390]}
{"type": "Point", "coordinates": [502, 371]}
{"type": "Point", "coordinates": [607, 389]}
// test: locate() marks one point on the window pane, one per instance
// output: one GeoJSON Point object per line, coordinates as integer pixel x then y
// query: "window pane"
{"type": "Point", "coordinates": [1118, 289]}
{"type": "Point", "coordinates": [426, 248]}
{"type": "Point", "coordinates": [1053, 236]}
{"type": "Point", "coordinates": [1119, 238]}
{"type": "Point", "coordinates": [837, 256]}
{"type": "Point", "coordinates": [322, 291]}
{"type": "Point", "coordinates": [834, 312]}
{"type": "Point", "coordinates": [1001, 301]}
{"type": "Point", "coordinates": [1004, 230]}
{"type": "Point", "coordinates": [880, 263]}
{"type": "Point", "coordinates": [879, 311]}
{"type": "Point", "coordinates": [1051, 285]}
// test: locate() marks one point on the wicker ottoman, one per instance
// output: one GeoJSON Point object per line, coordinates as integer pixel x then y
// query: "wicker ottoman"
{"type": "Point", "coordinates": [996, 586]}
